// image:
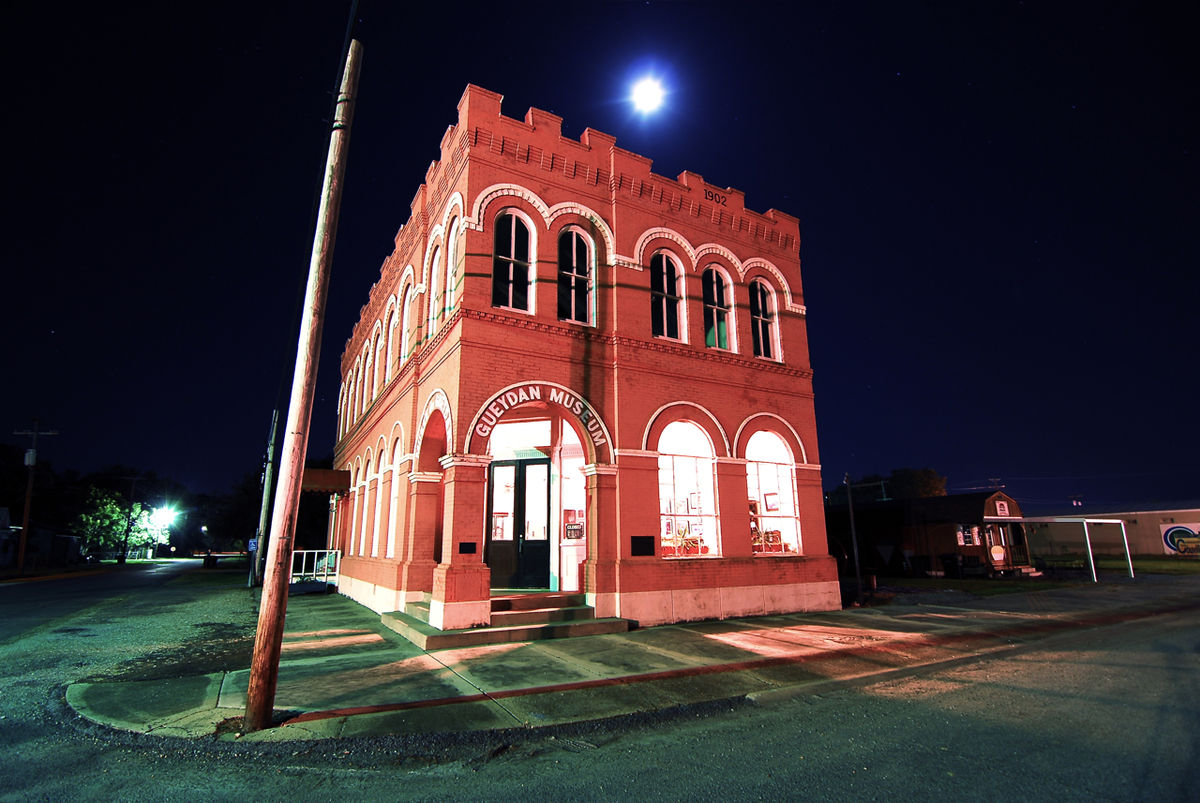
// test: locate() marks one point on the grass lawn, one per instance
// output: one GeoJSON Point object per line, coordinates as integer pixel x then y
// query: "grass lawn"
{"type": "Point", "coordinates": [979, 586]}
{"type": "Point", "coordinates": [1142, 564]}
{"type": "Point", "coordinates": [984, 587]}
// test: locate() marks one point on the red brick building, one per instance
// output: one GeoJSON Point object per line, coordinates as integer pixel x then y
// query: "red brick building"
{"type": "Point", "coordinates": [576, 375]}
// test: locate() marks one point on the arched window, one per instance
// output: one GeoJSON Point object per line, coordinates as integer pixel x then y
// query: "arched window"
{"type": "Point", "coordinates": [716, 310]}
{"type": "Point", "coordinates": [341, 425]}
{"type": "Point", "coordinates": [392, 358]}
{"type": "Point", "coordinates": [664, 296]}
{"type": "Point", "coordinates": [365, 393]}
{"type": "Point", "coordinates": [770, 477]}
{"type": "Point", "coordinates": [406, 326]}
{"type": "Point", "coordinates": [454, 265]}
{"type": "Point", "coordinates": [574, 279]}
{"type": "Point", "coordinates": [380, 363]}
{"type": "Point", "coordinates": [510, 263]}
{"type": "Point", "coordinates": [686, 493]}
{"type": "Point", "coordinates": [435, 292]}
{"type": "Point", "coordinates": [762, 328]}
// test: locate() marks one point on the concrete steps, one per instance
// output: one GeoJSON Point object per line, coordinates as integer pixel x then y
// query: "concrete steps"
{"type": "Point", "coordinates": [515, 617]}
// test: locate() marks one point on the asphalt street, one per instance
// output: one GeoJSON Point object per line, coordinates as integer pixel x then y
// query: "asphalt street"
{"type": "Point", "coordinates": [1102, 712]}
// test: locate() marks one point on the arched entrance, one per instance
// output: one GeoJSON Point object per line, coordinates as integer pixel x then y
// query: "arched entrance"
{"type": "Point", "coordinates": [539, 437]}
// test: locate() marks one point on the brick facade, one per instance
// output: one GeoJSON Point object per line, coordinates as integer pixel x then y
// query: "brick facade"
{"type": "Point", "coordinates": [423, 394]}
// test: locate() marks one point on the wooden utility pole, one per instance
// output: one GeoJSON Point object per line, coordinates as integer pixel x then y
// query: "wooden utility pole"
{"type": "Point", "coordinates": [854, 542]}
{"type": "Point", "coordinates": [265, 511]}
{"type": "Point", "coordinates": [31, 462]}
{"type": "Point", "coordinates": [264, 666]}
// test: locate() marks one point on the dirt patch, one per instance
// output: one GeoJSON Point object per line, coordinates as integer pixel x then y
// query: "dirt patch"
{"type": "Point", "coordinates": [215, 647]}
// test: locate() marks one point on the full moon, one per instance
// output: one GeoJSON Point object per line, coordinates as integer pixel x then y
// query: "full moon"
{"type": "Point", "coordinates": [647, 95]}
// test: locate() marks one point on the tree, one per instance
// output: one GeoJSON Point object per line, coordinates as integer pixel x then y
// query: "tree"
{"type": "Point", "coordinates": [901, 483]}
{"type": "Point", "coordinates": [915, 483]}
{"type": "Point", "coordinates": [106, 515]}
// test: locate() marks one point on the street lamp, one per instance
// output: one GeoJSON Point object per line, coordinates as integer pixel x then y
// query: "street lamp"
{"type": "Point", "coordinates": [162, 519]}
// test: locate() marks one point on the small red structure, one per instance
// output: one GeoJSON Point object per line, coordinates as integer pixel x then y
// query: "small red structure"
{"type": "Point", "coordinates": [574, 375]}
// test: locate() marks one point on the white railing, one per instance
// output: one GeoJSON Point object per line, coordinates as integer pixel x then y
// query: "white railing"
{"type": "Point", "coordinates": [316, 565]}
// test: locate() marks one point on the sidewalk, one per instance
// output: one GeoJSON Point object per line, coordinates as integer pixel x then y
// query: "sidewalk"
{"type": "Point", "coordinates": [343, 674]}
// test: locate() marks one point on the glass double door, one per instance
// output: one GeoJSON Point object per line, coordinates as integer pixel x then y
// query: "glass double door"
{"type": "Point", "coordinates": [518, 538]}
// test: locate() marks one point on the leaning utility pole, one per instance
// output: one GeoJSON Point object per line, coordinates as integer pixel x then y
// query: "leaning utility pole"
{"type": "Point", "coordinates": [31, 462]}
{"type": "Point", "coordinates": [264, 512]}
{"type": "Point", "coordinates": [854, 542]}
{"type": "Point", "coordinates": [264, 666]}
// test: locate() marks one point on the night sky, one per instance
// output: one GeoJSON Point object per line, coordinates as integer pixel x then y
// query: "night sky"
{"type": "Point", "coordinates": [998, 206]}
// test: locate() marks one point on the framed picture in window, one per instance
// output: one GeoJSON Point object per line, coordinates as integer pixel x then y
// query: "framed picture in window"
{"type": "Point", "coordinates": [771, 502]}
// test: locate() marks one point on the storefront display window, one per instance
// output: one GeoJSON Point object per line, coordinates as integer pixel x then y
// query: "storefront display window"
{"type": "Point", "coordinates": [774, 522]}
{"type": "Point", "coordinates": [686, 493]}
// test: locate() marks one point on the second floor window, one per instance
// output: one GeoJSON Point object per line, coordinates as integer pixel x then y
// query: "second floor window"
{"type": "Point", "coordinates": [573, 279]}
{"type": "Point", "coordinates": [664, 297]}
{"type": "Point", "coordinates": [510, 263]}
{"type": "Point", "coordinates": [761, 320]}
{"type": "Point", "coordinates": [716, 310]}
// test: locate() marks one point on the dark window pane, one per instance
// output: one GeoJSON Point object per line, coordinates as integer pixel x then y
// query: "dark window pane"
{"type": "Point", "coordinates": [656, 274]}
{"type": "Point", "coordinates": [521, 240]}
{"type": "Point", "coordinates": [564, 296]}
{"type": "Point", "coordinates": [564, 251]}
{"type": "Point", "coordinates": [581, 260]}
{"type": "Point", "coordinates": [520, 286]}
{"type": "Point", "coordinates": [504, 235]}
{"type": "Point", "coordinates": [581, 300]}
{"type": "Point", "coordinates": [500, 283]}
{"type": "Point", "coordinates": [656, 315]}
{"type": "Point", "coordinates": [672, 318]}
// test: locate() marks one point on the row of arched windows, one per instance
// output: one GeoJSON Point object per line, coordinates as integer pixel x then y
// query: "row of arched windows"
{"type": "Point", "coordinates": [687, 494]}
{"type": "Point", "coordinates": [512, 280]}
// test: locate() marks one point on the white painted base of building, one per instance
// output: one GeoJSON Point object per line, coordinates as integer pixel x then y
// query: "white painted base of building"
{"type": "Point", "coordinates": [695, 604]}
{"type": "Point", "coordinates": [458, 615]}
{"type": "Point", "coordinates": [371, 595]}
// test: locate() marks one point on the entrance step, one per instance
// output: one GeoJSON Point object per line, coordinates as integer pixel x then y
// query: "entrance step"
{"type": "Point", "coordinates": [515, 617]}
{"type": "Point", "coordinates": [526, 601]}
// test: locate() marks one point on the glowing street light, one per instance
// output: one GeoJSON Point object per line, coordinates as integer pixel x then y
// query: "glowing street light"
{"type": "Point", "coordinates": [647, 95]}
{"type": "Point", "coordinates": [163, 517]}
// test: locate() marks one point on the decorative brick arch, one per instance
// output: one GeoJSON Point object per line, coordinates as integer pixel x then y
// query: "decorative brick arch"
{"type": "Point", "coordinates": [497, 191]}
{"type": "Point", "coordinates": [715, 249]}
{"type": "Point", "coordinates": [601, 227]}
{"type": "Point", "coordinates": [771, 423]}
{"type": "Point", "coordinates": [437, 403]}
{"type": "Point", "coordinates": [395, 440]}
{"type": "Point", "coordinates": [454, 201]}
{"type": "Point", "coordinates": [780, 282]}
{"type": "Point", "coordinates": [685, 411]}
{"type": "Point", "coordinates": [584, 418]}
{"type": "Point", "coordinates": [640, 249]}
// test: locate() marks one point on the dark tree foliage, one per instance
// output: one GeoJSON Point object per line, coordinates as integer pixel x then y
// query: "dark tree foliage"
{"type": "Point", "coordinates": [901, 483]}
{"type": "Point", "coordinates": [99, 502]}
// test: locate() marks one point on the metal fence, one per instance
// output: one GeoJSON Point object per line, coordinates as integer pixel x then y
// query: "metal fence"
{"type": "Point", "coordinates": [316, 565]}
